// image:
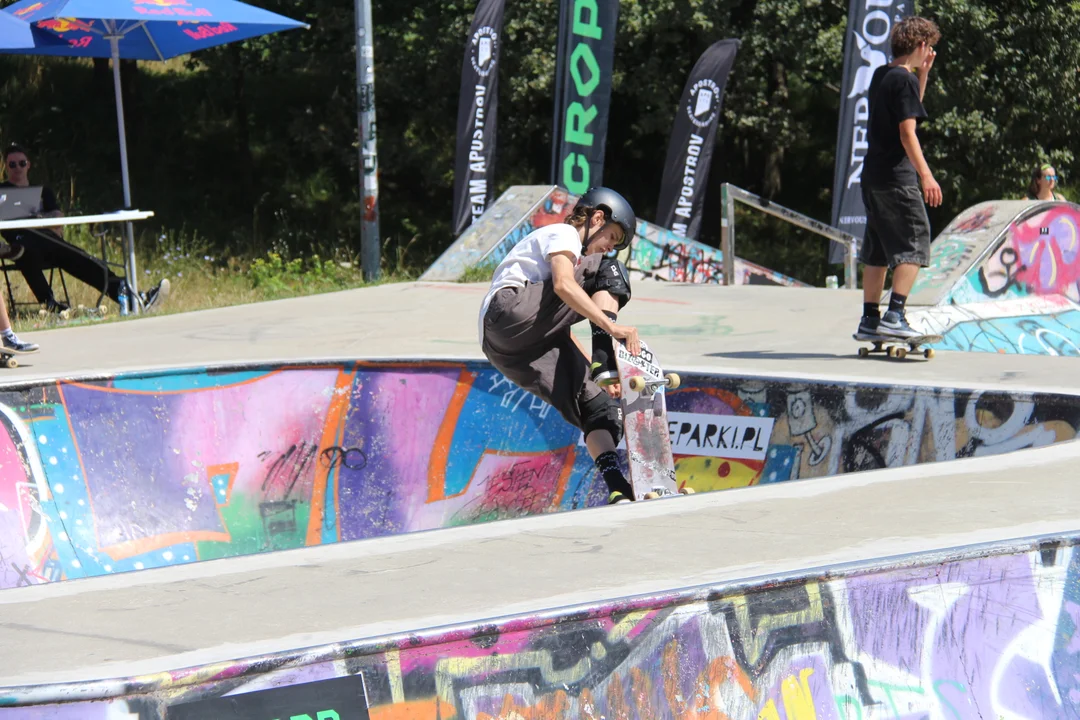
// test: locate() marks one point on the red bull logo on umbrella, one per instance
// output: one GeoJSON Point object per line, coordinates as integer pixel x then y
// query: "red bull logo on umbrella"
{"type": "Point", "coordinates": [203, 31]}
{"type": "Point", "coordinates": [181, 8]}
{"type": "Point", "coordinates": [29, 10]}
{"type": "Point", "coordinates": [66, 25]}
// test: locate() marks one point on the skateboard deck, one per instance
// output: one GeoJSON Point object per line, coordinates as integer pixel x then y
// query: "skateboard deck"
{"type": "Point", "coordinates": [645, 425]}
{"type": "Point", "coordinates": [79, 311]}
{"type": "Point", "coordinates": [898, 348]}
{"type": "Point", "coordinates": [7, 357]}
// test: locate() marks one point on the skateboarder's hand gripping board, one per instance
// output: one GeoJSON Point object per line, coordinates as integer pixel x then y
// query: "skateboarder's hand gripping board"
{"type": "Point", "coordinates": [566, 287]}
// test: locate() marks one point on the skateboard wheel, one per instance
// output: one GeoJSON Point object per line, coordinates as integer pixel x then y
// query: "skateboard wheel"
{"type": "Point", "coordinates": [651, 495]}
{"type": "Point", "coordinates": [11, 363]}
{"type": "Point", "coordinates": [65, 314]}
{"type": "Point", "coordinates": [864, 352]}
{"type": "Point", "coordinates": [637, 383]}
{"type": "Point", "coordinates": [928, 353]}
{"type": "Point", "coordinates": [901, 353]}
{"type": "Point", "coordinates": [673, 380]}
{"type": "Point", "coordinates": [103, 309]}
{"type": "Point", "coordinates": [687, 491]}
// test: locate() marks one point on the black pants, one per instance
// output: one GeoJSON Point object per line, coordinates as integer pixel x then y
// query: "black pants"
{"type": "Point", "coordinates": [44, 249]}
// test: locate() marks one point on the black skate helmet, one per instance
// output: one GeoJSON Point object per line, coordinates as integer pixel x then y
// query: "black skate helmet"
{"type": "Point", "coordinates": [615, 208]}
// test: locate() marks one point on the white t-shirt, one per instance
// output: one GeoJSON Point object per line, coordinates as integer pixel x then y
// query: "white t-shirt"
{"type": "Point", "coordinates": [530, 261]}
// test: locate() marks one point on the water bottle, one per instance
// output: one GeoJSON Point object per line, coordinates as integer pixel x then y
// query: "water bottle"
{"type": "Point", "coordinates": [122, 297]}
{"type": "Point", "coordinates": [832, 282]}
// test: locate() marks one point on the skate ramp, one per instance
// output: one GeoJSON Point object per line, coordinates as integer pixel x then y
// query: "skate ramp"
{"type": "Point", "coordinates": [1004, 277]}
{"type": "Point", "coordinates": [153, 469]}
{"type": "Point", "coordinates": [656, 253]}
{"type": "Point", "coordinates": [744, 605]}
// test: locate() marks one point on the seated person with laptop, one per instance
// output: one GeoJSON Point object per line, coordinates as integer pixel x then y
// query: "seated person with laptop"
{"type": "Point", "coordinates": [36, 249]}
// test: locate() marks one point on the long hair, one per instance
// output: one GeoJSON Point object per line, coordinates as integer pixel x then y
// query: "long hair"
{"type": "Point", "coordinates": [1036, 175]}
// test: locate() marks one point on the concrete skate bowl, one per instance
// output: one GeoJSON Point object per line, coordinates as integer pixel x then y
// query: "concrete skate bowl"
{"type": "Point", "coordinates": [657, 253]}
{"type": "Point", "coordinates": [1004, 277]}
{"type": "Point", "coordinates": [152, 469]}
{"type": "Point", "coordinates": [977, 632]}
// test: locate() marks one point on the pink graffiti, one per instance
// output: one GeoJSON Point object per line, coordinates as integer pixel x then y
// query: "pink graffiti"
{"type": "Point", "coordinates": [1048, 250]}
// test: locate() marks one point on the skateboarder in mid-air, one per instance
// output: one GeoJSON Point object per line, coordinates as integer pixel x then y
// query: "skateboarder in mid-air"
{"type": "Point", "coordinates": [897, 227]}
{"type": "Point", "coordinates": [555, 277]}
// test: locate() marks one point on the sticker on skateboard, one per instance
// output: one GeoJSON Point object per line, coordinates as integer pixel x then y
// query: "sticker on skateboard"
{"type": "Point", "coordinates": [896, 347]}
{"type": "Point", "coordinates": [645, 424]}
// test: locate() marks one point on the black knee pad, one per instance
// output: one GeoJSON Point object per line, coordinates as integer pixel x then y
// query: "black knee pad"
{"type": "Point", "coordinates": [602, 412]}
{"type": "Point", "coordinates": [611, 275]}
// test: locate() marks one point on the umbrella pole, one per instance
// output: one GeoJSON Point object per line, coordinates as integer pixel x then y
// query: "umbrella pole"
{"type": "Point", "coordinates": [129, 232]}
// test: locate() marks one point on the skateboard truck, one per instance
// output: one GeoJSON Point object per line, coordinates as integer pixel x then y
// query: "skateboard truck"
{"type": "Point", "coordinates": [659, 492]}
{"type": "Point", "coordinates": [898, 348]}
{"type": "Point", "coordinates": [648, 387]}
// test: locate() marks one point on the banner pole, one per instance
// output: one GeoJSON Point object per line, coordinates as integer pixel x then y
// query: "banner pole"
{"type": "Point", "coordinates": [560, 71]}
{"type": "Point", "coordinates": [370, 250]}
{"type": "Point", "coordinates": [727, 234]}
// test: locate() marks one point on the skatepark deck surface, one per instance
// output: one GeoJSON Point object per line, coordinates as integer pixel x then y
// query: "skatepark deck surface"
{"type": "Point", "coordinates": [797, 332]}
{"type": "Point", "coordinates": [160, 620]}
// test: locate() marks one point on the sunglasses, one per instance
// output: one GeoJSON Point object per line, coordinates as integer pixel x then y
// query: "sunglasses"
{"type": "Point", "coordinates": [1052, 178]}
{"type": "Point", "coordinates": [14, 164]}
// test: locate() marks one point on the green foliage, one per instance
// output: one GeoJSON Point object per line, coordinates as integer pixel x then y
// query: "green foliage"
{"type": "Point", "coordinates": [274, 275]}
{"type": "Point", "coordinates": [478, 273]}
{"type": "Point", "coordinates": [252, 147]}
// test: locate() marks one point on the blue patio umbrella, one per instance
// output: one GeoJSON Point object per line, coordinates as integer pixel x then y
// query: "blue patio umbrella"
{"type": "Point", "coordinates": [18, 34]}
{"type": "Point", "coordinates": [139, 30]}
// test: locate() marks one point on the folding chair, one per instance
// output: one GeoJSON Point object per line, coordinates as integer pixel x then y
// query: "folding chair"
{"type": "Point", "coordinates": [7, 266]}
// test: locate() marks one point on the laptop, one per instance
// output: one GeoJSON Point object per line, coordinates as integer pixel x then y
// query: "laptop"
{"type": "Point", "coordinates": [17, 203]}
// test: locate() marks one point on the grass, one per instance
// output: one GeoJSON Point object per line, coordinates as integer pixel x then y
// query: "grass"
{"type": "Point", "coordinates": [478, 273]}
{"type": "Point", "coordinates": [200, 280]}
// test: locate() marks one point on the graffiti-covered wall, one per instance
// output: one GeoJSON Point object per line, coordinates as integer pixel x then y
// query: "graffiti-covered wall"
{"type": "Point", "coordinates": [517, 212]}
{"type": "Point", "coordinates": [660, 254]}
{"type": "Point", "coordinates": [656, 254]}
{"type": "Point", "coordinates": [1039, 255]}
{"type": "Point", "coordinates": [148, 470]}
{"type": "Point", "coordinates": [1004, 277]}
{"type": "Point", "coordinates": [975, 636]}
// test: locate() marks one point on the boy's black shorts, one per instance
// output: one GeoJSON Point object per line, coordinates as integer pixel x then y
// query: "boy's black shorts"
{"type": "Point", "coordinates": [897, 227]}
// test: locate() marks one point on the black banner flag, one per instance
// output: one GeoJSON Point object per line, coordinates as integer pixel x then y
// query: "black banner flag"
{"type": "Point", "coordinates": [686, 168]}
{"type": "Point", "coordinates": [583, 91]}
{"type": "Point", "coordinates": [866, 48]}
{"type": "Point", "coordinates": [477, 112]}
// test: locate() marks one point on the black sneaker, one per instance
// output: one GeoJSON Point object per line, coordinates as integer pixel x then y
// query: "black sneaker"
{"type": "Point", "coordinates": [156, 295]}
{"type": "Point", "coordinates": [895, 325]}
{"type": "Point", "coordinates": [11, 252]}
{"type": "Point", "coordinates": [55, 306]}
{"type": "Point", "coordinates": [868, 328]}
{"type": "Point", "coordinates": [12, 343]}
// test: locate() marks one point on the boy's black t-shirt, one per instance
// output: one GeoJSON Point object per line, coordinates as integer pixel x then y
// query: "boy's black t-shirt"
{"type": "Point", "coordinates": [894, 97]}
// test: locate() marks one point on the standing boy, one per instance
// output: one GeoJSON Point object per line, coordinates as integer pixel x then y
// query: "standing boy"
{"type": "Point", "coordinates": [555, 277]}
{"type": "Point", "coordinates": [897, 227]}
